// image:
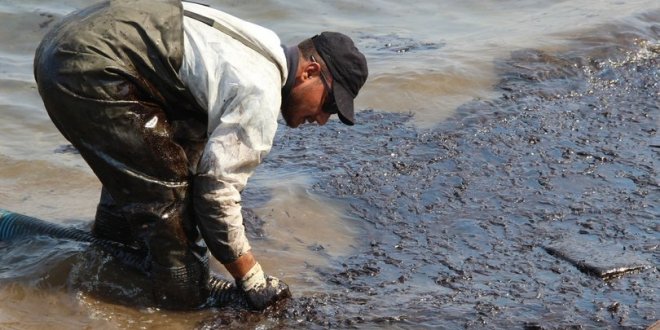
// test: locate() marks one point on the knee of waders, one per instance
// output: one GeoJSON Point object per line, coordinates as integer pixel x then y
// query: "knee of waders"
{"type": "Point", "coordinates": [111, 226]}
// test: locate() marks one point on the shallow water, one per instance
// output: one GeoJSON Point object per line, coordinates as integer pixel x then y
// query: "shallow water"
{"type": "Point", "coordinates": [431, 221]}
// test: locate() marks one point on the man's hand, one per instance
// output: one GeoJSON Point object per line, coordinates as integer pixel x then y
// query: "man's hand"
{"type": "Point", "coordinates": [262, 290]}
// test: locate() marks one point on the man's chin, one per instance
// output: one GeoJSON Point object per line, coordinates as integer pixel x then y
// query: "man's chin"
{"type": "Point", "coordinates": [291, 123]}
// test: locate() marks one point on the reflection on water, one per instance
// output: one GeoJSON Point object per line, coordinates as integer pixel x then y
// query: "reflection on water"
{"type": "Point", "coordinates": [49, 190]}
{"type": "Point", "coordinates": [431, 95]}
{"type": "Point", "coordinates": [27, 307]}
{"type": "Point", "coordinates": [301, 231]}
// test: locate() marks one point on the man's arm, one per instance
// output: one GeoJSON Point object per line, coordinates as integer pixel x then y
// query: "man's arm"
{"type": "Point", "coordinates": [227, 163]}
{"type": "Point", "coordinates": [230, 157]}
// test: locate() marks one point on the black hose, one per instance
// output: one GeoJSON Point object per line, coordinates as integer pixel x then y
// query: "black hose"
{"type": "Point", "coordinates": [13, 225]}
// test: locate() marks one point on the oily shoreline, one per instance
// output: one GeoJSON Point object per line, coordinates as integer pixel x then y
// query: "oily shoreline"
{"type": "Point", "coordinates": [456, 217]}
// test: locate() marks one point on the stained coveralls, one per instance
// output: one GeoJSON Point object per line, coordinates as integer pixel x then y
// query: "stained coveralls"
{"type": "Point", "coordinates": [172, 116]}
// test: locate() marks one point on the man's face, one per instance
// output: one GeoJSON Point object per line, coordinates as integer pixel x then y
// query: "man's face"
{"type": "Point", "coordinates": [305, 103]}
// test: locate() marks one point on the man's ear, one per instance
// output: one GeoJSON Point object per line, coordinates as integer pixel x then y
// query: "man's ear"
{"type": "Point", "coordinates": [312, 69]}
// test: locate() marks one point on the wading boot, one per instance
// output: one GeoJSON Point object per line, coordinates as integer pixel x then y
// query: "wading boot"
{"type": "Point", "coordinates": [182, 287]}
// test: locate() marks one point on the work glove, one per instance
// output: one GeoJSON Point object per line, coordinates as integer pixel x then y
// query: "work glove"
{"type": "Point", "coordinates": [262, 290]}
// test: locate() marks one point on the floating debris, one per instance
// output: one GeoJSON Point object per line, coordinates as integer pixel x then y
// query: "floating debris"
{"type": "Point", "coordinates": [603, 260]}
{"type": "Point", "coordinates": [397, 44]}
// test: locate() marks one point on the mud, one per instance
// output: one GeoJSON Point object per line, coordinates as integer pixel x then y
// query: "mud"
{"type": "Point", "coordinates": [455, 218]}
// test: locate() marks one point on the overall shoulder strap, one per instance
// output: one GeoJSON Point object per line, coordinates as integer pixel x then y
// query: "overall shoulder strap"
{"type": "Point", "coordinates": [214, 24]}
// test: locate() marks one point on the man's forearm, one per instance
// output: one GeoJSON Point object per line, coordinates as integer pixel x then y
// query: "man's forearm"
{"type": "Point", "coordinates": [219, 219]}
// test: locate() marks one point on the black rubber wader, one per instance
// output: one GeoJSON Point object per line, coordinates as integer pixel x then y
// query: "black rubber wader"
{"type": "Point", "coordinates": [108, 77]}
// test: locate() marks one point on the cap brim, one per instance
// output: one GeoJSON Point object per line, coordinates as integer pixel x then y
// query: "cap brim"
{"type": "Point", "coordinates": [344, 101]}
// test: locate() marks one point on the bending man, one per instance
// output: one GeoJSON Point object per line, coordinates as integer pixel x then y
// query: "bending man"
{"type": "Point", "coordinates": [173, 105]}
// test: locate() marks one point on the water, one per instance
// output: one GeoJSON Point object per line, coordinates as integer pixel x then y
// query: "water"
{"type": "Point", "coordinates": [433, 59]}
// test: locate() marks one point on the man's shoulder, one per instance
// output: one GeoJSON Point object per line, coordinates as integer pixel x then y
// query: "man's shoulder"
{"type": "Point", "coordinates": [225, 18]}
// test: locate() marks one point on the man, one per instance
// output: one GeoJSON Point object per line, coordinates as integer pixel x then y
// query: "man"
{"type": "Point", "coordinates": [173, 106]}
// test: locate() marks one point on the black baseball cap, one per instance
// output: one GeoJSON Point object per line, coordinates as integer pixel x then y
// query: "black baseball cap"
{"type": "Point", "coordinates": [348, 68]}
